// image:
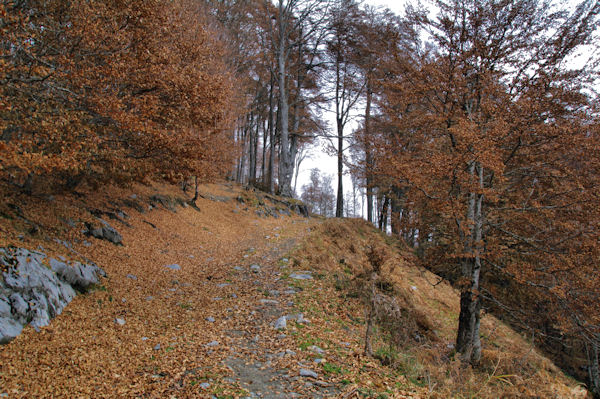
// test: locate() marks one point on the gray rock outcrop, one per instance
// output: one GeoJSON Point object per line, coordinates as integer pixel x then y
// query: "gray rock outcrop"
{"type": "Point", "coordinates": [33, 293]}
{"type": "Point", "coordinates": [104, 232]}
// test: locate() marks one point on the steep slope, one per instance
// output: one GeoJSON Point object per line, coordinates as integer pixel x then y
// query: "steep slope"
{"type": "Point", "coordinates": [243, 297]}
{"type": "Point", "coordinates": [414, 316]}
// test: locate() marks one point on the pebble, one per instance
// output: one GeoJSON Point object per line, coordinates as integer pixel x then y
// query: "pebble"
{"type": "Point", "coordinates": [308, 373]}
{"type": "Point", "coordinates": [210, 319]}
{"type": "Point", "coordinates": [149, 298]}
{"type": "Point", "coordinates": [238, 268]}
{"type": "Point", "coordinates": [157, 347]}
{"type": "Point", "coordinates": [120, 322]}
{"type": "Point", "coordinates": [316, 349]}
{"type": "Point", "coordinates": [281, 323]}
{"type": "Point", "coordinates": [255, 268]}
{"type": "Point", "coordinates": [205, 385]}
{"type": "Point", "coordinates": [269, 302]}
{"type": "Point", "coordinates": [212, 343]}
{"type": "Point", "coordinates": [174, 266]}
{"type": "Point", "coordinates": [222, 285]}
{"type": "Point", "coordinates": [301, 276]}
{"type": "Point", "coordinates": [132, 276]}
{"type": "Point", "coordinates": [319, 360]}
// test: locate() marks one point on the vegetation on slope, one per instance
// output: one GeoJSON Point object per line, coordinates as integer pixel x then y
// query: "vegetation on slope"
{"type": "Point", "coordinates": [415, 317]}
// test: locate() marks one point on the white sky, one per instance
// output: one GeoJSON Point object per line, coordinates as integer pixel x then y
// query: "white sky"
{"type": "Point", "coordinates": [328, 164]}
{"type": "Point", "coordinates": [319, 159]}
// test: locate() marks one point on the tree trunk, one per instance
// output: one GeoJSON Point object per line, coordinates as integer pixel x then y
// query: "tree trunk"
{"type": "Point", "coordinates": [468, 341]}
{"type": "Point", "coordinates": [593, 366]}
{"type": "Point", "coordinates": [383, 215]}
{"type": "Point", "coordinates": [339, 206]}
{"type": "Point", "coordinates": [285, 163]}
{"type": "Point", "coordinates": [396, 212]}
{"type": "Point", "coordinates": [368, 155]}
{"type": "Point", "coordinates": [264, 153]}
{"type": "Point", "coordinates": [253, 149]}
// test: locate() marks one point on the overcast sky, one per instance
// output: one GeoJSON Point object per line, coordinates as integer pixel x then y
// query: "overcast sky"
{"type": "Point", "coordinates": [320, 160]}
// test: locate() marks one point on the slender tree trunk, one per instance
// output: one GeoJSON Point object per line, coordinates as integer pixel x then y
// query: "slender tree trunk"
{"type": "Point", "coordinates": [285, 163]}
{"type": "Point", "coordinates": [254, 163]}
{"type": "Point", "coordinates": [368, 155]}
{"type": "Point", "coordinates": [264, 153]}
{"type": "Point", "coordinates": [339, 206]}
{"type": "Point", "coordinates": [396, 212]}
{"type": "Point", "coordinates": [272, 156]}
{"type": "Point", "coordinates": [269, 177]}
{"type": "Point", "coordinates": [383, 215]}
{"type": "Point", "coordinates": [252, 148]}
{"type": "Point", "coordinates": [593, 356]}
{"type": "Point", "coordinates": [468, 341]}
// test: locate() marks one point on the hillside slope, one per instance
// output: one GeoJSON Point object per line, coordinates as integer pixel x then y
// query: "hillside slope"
{"type": "Point", "coordinates": [243, 297]}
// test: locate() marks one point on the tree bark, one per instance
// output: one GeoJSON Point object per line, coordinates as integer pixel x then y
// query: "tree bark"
{"type": "Point", "coordinates": [468, 341]}
{"type": "Point", "coordinates": [593, 366]}
{"type": "Point", "coordinates": [384, 214]}
{"type": "Point", "coordinates": [285, 163]}
{"type": "Point", "coordinates": [339, 206]}
{"type": "Point", "coordinates": [270, 181]}
{"type": "Point", "coordinates": [368, 155]}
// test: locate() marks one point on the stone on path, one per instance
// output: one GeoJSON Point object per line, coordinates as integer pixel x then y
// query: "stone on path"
{"type": "Point", "coordinates": [255, 268]}
{"type": "Point", "coordinates": [301, 276]}
{"type": "Point", "coordinates": [316, 349]}
{"type": "Point", "coordinates": [281, 323]}
{"type": "Point", "coordinates": [212, 344]}
{"type": "Point", "coordinates": [210, 319]}
{"type": "Point", "coordinates": [120, 322]}
{"type": "Point", "coordinates": [269, 302]}
{"type": "Point", "coordinates": [173, 266]}
{"type": "Point", "coordinates": [308, 373]}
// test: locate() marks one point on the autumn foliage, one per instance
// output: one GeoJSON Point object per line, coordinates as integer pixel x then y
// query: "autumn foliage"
{"type": "Point", "coordinates": [491, 139]}
{"type": "Point", "coordinates": [110, 91]}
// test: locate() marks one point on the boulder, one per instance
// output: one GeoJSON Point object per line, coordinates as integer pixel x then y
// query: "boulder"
{"type": "Point", "coordinates": [104, 232]}
{"type": "Point", "coordinates": [31, 293]}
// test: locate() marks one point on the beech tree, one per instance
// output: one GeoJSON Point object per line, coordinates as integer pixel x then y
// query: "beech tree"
{"type": "Point", "coordinates": [347, 85]}
{"type": "Point", "coordinates": [493, 133]}
{"type": "Point", "coordinates": [318, 194]}
{"type": "Point", "coordinates": [103, 91]}
{"type": "Point", "coordinates": [295, 26]}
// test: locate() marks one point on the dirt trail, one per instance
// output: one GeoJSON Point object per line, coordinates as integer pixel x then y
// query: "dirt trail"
{"type": "Point", "coordinates": [184, 313]}
{"type": "Point", "coordinates": [258, 348]}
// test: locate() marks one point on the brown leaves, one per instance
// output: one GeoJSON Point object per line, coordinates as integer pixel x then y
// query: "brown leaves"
{"type": "Point", "coordinates": [129, 90]}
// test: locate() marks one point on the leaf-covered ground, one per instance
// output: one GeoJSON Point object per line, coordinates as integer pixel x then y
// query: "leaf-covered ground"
{"type": "Point", "coordinates": [206, 330]}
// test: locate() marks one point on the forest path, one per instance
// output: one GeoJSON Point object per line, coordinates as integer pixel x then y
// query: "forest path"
{"type": "Point", "coordinates": [261, 353]}
{"type": "Point", "coordinates": [183, 313]}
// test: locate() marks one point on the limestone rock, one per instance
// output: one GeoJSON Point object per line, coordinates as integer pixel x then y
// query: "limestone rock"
{"type": "Point", "coordinates": [31, 293]}
{"type": "Point", "coordinates": [308, 373]}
